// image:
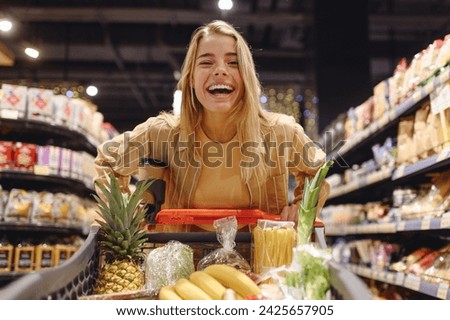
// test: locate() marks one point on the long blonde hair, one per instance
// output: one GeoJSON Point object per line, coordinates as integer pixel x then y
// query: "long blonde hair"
{"type": "Point", "coordinates": [247, 115]}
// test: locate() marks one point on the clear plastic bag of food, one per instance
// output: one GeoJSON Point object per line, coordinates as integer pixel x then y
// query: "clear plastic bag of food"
{"type": "Point", "coordinates": [226, 229]}
{"type": "Point", "coordinates": [166, 264]}
{"type": "Point", "coordinates": [273, 244]}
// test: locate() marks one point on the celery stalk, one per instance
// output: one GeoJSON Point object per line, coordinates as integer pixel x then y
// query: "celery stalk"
{"type": "Point", "coordinates": [308, 206]}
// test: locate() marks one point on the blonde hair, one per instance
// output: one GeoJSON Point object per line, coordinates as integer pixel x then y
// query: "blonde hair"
{"type": "Point", "coordinates": [247, 115]}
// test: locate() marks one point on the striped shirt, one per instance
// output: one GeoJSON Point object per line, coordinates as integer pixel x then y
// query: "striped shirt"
{"type": "Point", "coordinates": [289, 151]}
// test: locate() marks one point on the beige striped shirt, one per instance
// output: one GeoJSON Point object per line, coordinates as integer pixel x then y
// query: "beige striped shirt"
{"type": "Point", "coordinates": [289, 151]}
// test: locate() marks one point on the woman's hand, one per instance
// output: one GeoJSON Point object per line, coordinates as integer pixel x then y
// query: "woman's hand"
{"type": "Point", "coordinates": [290, 213]}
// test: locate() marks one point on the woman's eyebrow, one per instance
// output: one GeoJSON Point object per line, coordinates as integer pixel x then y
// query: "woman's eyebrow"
{"type": "Point", "coordinates": [211, 55]}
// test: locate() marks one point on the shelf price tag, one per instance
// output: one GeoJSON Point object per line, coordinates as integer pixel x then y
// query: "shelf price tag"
{"type": "Point", "coordinates": [9, 114]}
{"type": "Point", "coordinates": [41, 170]}
{"type": "Point", "coordinates": [442, 291]}
{"type": "Point", "coordinates": [440, 99]}
{"type": "Point", "coordinates": [445, 222]}
{"type": "Point", "coordinates": [426, 223]}
{"type": "Point", "coordinates": [401, 226]}
{"type": "Point", "coordinates": [412, 282]}
{"type": "Point", "coordinates": [399, 278]}
{"type": "Point", "coordinates": [390, 277]}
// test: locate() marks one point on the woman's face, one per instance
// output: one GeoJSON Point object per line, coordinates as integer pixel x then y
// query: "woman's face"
{"type": "Point", "coordinates": [217, 81]}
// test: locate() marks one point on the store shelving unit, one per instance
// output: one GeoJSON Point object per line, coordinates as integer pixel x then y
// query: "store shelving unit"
{"type": "Point", "coordinates": [41, 133]}
{"type": "Point", "coordinates": [379, 184]}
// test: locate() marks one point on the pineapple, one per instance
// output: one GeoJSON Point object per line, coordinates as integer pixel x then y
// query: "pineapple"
{"type": "Point", "coordinates": [121, 238]}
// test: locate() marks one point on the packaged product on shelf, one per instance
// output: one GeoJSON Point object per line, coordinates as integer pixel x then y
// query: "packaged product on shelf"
{"type": "Point", "coordinates": [405, 141]}
{"type": "Point", "coordinates": [406, 261]}
{"type": "Point", "coordinates": [397, 83]}
{"type": "Point", "coordinates": [97, 120]}
{"type": "Point", "coordinates": [48, 157]}
{"type": "Point", "coordinates": [24, 156]}
{"type": "Point", "coordinates": [381, 99]}
{"type": "Point", "coordinates": [44, 256]}
{"type": "Point", "coordinates": [40, 105]}
{"type": "Point", "coordinates": [42, 212]}
{"type": "Point", "coordinates": [4, 195]}
{"type": "Point", "coordinates": [64, 164]}
{"type": "Point", "coordinates": [63, 111]}
{"type": "Point", "coordinates": [6, 255]}
{"type": "Point", "coordinates": [24, 256]}
{"type": "Point", "coordinates": [439, 271]}
{"type": "Point", "coordinates": [14, 101]}
{"type": "Point", "coordinates": [6, 154]}
{"type": "Point", "coordinates": [76, 171]}
{"type": "Point", "coordinates": [82, 115]}
{"type": "Point", "coordinates": [19, 206]}
{"type": "Point", "coordinates": [350, 123]}
{"type": "Point", "coordinates": [443, 57]}
{"type": "Point", "coordinates": [61, 208]}
{"type": "Point", "coordinates": [420, 123]}
{"type": "Point", "coordinates": [431, 53]}
{"type": "Point", "coordinates": [62, 253]}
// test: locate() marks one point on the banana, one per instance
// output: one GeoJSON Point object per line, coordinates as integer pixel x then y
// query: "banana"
{"type": "Point", "coordinates": [208, 284]}
{"type": "Point", "coordinates": [189, 291]}
{"type": "Point", "coordinates": [168, 293]}
{"type": "Point", "coordinates": [234, 279]}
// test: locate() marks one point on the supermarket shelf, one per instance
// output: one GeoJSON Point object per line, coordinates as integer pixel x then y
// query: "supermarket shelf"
{"type": "Point", "coordinates": [442, 223]}
{"type": "Point", "coordinates": [428, 164]}
{"type": "Point", "coordinates": [35, 131]}
{"type": "Point", "coordinates": [22, 179]}
{"type": "Point", "coordinates": [409, 281]}
{"type": "Point", "coordinates": [393, 115]}
{"type": "Point", "coordinates": [363, 182]}
{"type": "Point", "coordinates": [41, 228]}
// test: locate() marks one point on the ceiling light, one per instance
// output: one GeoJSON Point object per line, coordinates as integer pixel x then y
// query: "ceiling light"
{"type": "Point", "coordinates": [92, 91]}
{"type": "Point", "coordinates": [5, 25]}
{"type": "Point", "coordinates": [225, 4]}
{"type": "Point", "coordinates": [31, 52]}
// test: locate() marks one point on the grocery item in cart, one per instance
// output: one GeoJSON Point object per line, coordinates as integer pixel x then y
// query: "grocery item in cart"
{"type": "Point", "coordinates": [121, 238]}
{"type": "Point", "coordinates": [167, 264]}
{"type": "Point", "coordinates": [226, 229]}
{"type": "Point", "coordinates": [273, 243]}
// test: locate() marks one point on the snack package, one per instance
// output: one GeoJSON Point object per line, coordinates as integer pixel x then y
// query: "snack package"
{"type": "Point", "coordinates": [273, 244]}
{"type": "Point", "coordinates": [226, 229]}
{"type": "Point", "coordinates": [166, 264]}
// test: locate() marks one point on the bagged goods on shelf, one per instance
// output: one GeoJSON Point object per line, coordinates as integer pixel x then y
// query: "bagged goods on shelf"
{"type": "Point", "coordinates": [405, 141]}
{"type": "Point", "coordinates": [439, 271]}
{"type": "Point", "coordinates": [406, 261]}
{"type": "Point", "coordinates": [6, 154]}
{"type": "Point", "coordinates": [24, 156]}
{"type": "Point", "coordinates": [381, 98]}
{"type": "Point", "coordinates": [40, 106]}
{"type": "Point", "coordinates": [42, 211]}
{"type": "Point", "coordinates": [14, 101]}
{"type": "Point", "coordinates": [18, 208]}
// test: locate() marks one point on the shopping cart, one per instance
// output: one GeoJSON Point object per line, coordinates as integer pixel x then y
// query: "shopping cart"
{"type": "Point", "coordinates": [75, 277]}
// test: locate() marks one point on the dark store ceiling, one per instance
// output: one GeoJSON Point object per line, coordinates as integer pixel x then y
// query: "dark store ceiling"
{"type": "Point", "coordinates": [131, 50]}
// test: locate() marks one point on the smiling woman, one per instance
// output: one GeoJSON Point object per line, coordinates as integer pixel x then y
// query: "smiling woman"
{"type": "Point", "coordinates": [223, 150]}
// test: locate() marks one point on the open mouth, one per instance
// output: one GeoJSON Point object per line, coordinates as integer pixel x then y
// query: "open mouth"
{"type": "Point", "coordinates": [220, 89]}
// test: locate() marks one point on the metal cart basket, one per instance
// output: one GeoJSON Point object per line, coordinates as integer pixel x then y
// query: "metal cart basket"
{"type": "Point", "coordinates": [75, 277]}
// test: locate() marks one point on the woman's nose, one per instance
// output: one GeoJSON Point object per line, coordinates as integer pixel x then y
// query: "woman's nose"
{"type": "Point", "coordinates": [220, 70]}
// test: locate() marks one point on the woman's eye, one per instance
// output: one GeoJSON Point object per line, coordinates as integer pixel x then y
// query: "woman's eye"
{"type": "Point", "coordinates": [233, 63]}
{"type": "Point", "coordinates": [205, 63]}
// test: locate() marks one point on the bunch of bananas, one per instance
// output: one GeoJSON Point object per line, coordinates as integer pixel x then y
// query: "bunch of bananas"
{"type": "Point", "coordinates": [212, 283]}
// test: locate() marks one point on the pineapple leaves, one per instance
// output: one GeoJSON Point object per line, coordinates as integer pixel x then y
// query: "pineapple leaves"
{"type": "Point", "coordinates": [122, 235]}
